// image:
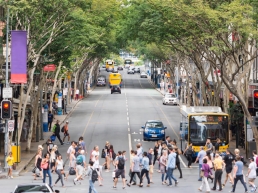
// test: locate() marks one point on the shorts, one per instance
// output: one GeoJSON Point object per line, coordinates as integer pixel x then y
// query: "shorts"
{"type": "Point", "coordinates": [79, 169]}
{"type": "Point", "coordinates": [120, 172]}
{"type": "Point", "coordinates": [228, 170]}
{"type": "Point", "coordinates": [66, 134]}
{"type": "Point", "coordinates": [251, 179]}
{"type": "Point", "coordinates": [151, 169]}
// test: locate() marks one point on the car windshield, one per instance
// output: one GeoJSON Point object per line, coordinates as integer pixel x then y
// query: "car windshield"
{"type": "Point", "coordinates": [170, 96]}
{"type": "Point", "coordinates": [31, 188]}
{"type": "Point", "coordinates": [154, 125]}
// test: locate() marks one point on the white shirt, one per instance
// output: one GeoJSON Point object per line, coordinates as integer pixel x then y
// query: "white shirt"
{"type": "Point", "coordinates": [60, 165]}
{"type": "Point", "coordinates": [252, 167]}
{"type": "Point", "coordinates": [94, 154]}
{"type": "Point", "coordinates": [77, 91]}
{"type": "Point", "coordinates": [70, 149]}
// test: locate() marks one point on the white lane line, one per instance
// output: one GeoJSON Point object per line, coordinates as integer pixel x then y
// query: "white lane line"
{"type": "Point", "coordinates": [127, 109]}
{"type": "Point", "coordinates": [182, 161]}
{"type": "Point", "coordinates": [127, 118]}
{"type": "Point", "coordinates": [130, 142]}
{"type": "Point", "coordinates": [128, 123]}
{"type": "Point", "coordinates": [128, 129]}
{"type": "Point", "coordinates": [127, 113]}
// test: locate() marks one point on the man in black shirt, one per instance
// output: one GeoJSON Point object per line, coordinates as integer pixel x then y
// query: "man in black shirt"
{"type": "Point", "coordinates": [228, 159]}
{"type": "Point", "coordinates": [217, 144]}
{"type": "Point", "coordinates": [57, 132]}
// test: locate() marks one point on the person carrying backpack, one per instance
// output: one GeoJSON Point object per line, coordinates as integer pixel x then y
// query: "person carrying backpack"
{"type": "Point", "coordinates": [120, 163]}
{"type": "Point", "coordinates": [93, 176]}
{"type": "Point", "coordinates": [56, 131]}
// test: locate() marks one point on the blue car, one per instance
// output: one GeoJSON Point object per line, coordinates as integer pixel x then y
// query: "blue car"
{"type": "Point", "coordinates": [154, 130]}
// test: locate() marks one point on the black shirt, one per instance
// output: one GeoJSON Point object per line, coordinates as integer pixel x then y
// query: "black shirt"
{"type": "Point", "coordinates": [217, 146]}
{"type": "Point", "coordinates": [149, 155]}
{"type": "Point", "coordinates": [57, 130]}
{"type": "Point", "coordinates": [229, 159]}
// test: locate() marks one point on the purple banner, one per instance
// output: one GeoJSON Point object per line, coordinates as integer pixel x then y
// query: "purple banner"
{"type": "Point", "coordinates": [19, 57]}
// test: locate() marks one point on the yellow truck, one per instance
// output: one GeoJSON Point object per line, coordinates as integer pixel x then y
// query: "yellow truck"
{"type": "Point", "coordinates": [115, 79]}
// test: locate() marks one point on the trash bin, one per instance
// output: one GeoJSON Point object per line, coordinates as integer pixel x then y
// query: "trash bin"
{"type": "Point", "coordinates": [16, 150]}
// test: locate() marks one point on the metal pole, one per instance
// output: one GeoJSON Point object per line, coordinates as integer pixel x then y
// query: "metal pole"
{"type": "Point", "coordinates": [200, 85]}
{"type": "Point", "coordinates": [7, 85]}
{"type": "Point", "coordinates": [41, 117]}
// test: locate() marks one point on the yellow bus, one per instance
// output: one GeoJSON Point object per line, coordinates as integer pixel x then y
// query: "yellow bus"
{"type": "Point", "coordinates": [128, 63]}
{"type": "Point", "coordinates": [201, 123]}
{"type": "Point", "coordinates": [109, 65]}
{"type": "Point", "coordinates": [115, 79]}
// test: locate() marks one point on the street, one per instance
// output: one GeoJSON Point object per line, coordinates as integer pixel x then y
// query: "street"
{"type": "Point", "coordinates": [118, 118]}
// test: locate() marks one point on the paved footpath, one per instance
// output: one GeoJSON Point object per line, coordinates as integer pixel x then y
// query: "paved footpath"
{"type": "Point", "coordinates": [28, 156]}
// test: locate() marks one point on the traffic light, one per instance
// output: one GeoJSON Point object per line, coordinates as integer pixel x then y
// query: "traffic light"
{"type": "Point", "coordinates": [255, 99]}
{"type": "Point", "coordinates": [6, 109]}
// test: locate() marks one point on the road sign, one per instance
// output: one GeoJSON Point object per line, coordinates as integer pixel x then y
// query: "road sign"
{"type": "Point", "coordinates": [10, 125]}
{"type": "Point", "coordinates": [7, 93]}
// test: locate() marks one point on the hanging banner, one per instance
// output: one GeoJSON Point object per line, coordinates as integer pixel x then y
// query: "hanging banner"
{"type": "Point", "coordinates": [19, 57]}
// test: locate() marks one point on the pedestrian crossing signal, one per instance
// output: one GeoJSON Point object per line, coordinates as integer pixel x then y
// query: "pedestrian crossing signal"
{"type": "Point", "coordinates": [255, 99]}
{"type": "Point", "coordinates": [6, 109]}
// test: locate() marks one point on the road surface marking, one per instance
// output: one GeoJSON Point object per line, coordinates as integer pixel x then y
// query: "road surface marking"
{"type": "Point", "coordinates": [128, 129]}
{"type": "Point", "coordinates": [182, 161]}
{"type": "Point", "coordinates": [127, 118]}
{"type": "Point", "coordinates": [87, 124]}
{"type": "Point", "coordinates": [128, 123]}
{"type": "Point", "coordinates": [98, 100]}
{"type": "Point", "coordinates": [130, 144]}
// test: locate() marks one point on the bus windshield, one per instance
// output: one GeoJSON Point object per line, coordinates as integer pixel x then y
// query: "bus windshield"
{"type": "Point", "coordinates": [202, 127]}
{"type": "Point", "coordinates": [128, 61]}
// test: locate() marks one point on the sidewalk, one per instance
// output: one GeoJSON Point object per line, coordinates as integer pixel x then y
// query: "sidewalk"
{"type": "Point", "coordinates": [27, 156]}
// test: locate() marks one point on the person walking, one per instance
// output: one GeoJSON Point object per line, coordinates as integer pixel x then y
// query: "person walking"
{"type": "Point", "coordinates": [107, 158]}
{"type": "Point", "coordinates": [10, 162]}
{"type": "Point", "coordinates": [134, 168]}
{"type": "Point", "coordinates": [178, 152]}
{"type": "Point", "coordinates": [206, 173]}
{"type": "Point", "coordinates": [238, 174]}
{"type": "Point", "coordinates": [145, 169]}
{"type": "Point", "coordinates": [38, 160]}
{"type": "Point", "coordinates": [91, 182]}
{"type": "Point", "coordinates": [45, 165]}
{"type": "Point", "coordinates": [210, 163]}
{"type": "Point", "coordinates": [189, 152]}
{"type": "Point", "coordinates": [209, 146]}
{"type": "Point", "coordinates": [199, 158]}
{"type": "Point", "coordinates": [155, 152]}
{"type": "Point", "coordinates": [228, 159]}
{"type": "Point", "coordinates": [219, 165]}
{"type": "Point", "coordinates": [50, 120]}
{"type": "Point", "coordinates": [120, 163]}
{"type": "Point", "coordinates": [171, 164]}
{"type": "Point", "coordinates": [163, 162]}
{"type": "Point", "coordinates": [150, 155]}
{"type": "Point", "coordinates": [59, 168]}
{"type": "Point", "coordinates": [251, 174]}
{"type": "Point", "coordinates": [66, 133]}
{"type": "Point", "coordinates": [57, 132]}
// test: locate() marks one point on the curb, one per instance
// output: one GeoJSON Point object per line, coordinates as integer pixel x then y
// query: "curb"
{"type": "Point", "coordinates": [17, 172]}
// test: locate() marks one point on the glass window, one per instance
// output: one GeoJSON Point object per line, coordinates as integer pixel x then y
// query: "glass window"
{"type": "Point", "coordinates": [154, 124]}
{"type": "Point", "coordinates": [31, 188]}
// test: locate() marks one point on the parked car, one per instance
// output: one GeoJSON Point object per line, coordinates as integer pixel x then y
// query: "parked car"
{"type": "Point", "coordinates": [154, 130]}
{"type": "Point", "coordinates": [144, 75]}
{"type": "Point", "coordinates": [34, 187]}
{"type": "Point", "coordinates": [103, 66]}
{"type": "Point", "coordinates": [115, 88]}
{"type": "Point", "coordinates": [169, 98]}
{"type": "Point", "coordinates": [130, 71]}
{"type": "Point", "coordinates": [119, 68]}
{"type": "Point", "coordinates": [137, 70]}
{"type": "Point", "coordinates": [101, 82]}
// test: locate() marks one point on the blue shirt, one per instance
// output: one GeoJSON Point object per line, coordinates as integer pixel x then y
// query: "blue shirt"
{"type": "Point", "coordinates": [145, 163]}
{"type": "Point", "coordinates": [200, 156]}
{"type": "Point", "coordinates": [239, 165]}
{"type": "Point", "coordinates": [50, 117]}
{"type": "Point", "coordinates": [172, 160]}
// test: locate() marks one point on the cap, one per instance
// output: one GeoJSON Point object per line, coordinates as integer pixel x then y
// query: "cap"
{"type": "Point", "coordinates": [67, 121]}
{"type": "Point", "coordinates": [251, 158]}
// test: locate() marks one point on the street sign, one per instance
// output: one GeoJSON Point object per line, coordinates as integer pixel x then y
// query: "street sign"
{"type": "Point", "coordinates": [7, 93]}
{"type": "Point", "coordinates": [10, 125]}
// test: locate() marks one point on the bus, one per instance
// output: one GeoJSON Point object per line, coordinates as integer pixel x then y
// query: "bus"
{"type": "Point", "coordinates": [128, 63]}
{"type": "Point", "coordinates": [110, 65]}
{"type": "Point", "coordinates": [115, 79]}
{"type": "Point", "coordinates": [199, 123]}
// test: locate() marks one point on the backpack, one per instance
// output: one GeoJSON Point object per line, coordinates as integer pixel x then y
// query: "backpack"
{"type": "Point", "coordinates": [62, 130]}
{"type": "Point", "coordinates": [79, 160]}
{"type": "Point", "coordinates": [94, 175]}
{"type": "Point", "coordinates": [121, 163]}
{"type": "Point", "coordinates": [54, 129]}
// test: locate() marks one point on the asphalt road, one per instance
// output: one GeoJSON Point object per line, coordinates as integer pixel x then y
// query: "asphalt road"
{"type": "Point", "coordinates": [118, 118]}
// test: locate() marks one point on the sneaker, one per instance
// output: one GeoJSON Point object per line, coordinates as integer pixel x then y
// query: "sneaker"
{"type": "Point", "coordinates": [177, 182]}
{"type": "Point", "coordinates": [199, 189]}
{"type": "Point", "coordinates": [74, 181]}
{"type": "Point", "coordinates": [148, 185]}
{"type": "Point", "coordinates": [170, 185]}
{"type": "Point", "coordinates": [114, 187]}
{"type": "Point", "coordinates": [231, 191]}
{"type": "Point", "coordinates": [199, 179]}
{"type": "Point", "coordinates": [11, 177]}
{"type": "Point", "coordinates": [128, 184]}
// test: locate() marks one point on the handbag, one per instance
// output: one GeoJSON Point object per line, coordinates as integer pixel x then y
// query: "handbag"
{"type": "Point", "coordinates": [53, 137]}
{"type": "Point", "coordinates": [72, 171]}
{"type": "Point", "coordinates": [103, 154]}
{"type": "Point", "coordinates": [202, 173]}
{"type": "Point", "coordinates": [44, 165]}
{"type": "Point", "coordinates": [14, 166]}
{"type": "Point", "coordinates": [34, 170]}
